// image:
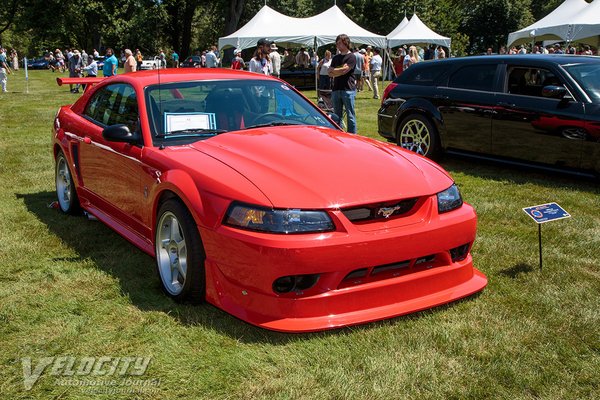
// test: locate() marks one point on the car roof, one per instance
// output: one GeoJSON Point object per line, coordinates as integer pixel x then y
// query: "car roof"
{"type": "Point", "coordinates": [152, 77]}
{"type": "Point", "coordinates": [550, 58]}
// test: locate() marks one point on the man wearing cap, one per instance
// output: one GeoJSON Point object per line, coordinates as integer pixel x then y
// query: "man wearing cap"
{"type": "Point", "coordinates": [75, 65]}
{"type": "Point", "coordinates": [344, 83]}
{"type": "Point", "coordinates": [260, 62]}
{"type": "Point", "coordinates": [238, 61]}
{"type": "Point", "coordinates": [275, 58]}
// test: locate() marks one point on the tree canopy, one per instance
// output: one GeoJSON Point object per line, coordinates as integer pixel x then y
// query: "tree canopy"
{"type": "Point", "coordinates": [32, 26]}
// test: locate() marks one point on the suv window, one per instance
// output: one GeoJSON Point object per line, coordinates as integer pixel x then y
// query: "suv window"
{"type": "Point", "coordinates": [424, 75]}
{"type": "Point", "coordinates": [529, 81]}
{"type": "Point", "coordinates": [114, 104]}
{"type": "Point", "coordinates": [474, 77]}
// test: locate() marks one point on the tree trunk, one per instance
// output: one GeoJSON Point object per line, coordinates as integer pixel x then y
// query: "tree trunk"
{"type": "Point", "coordinates": [232, 18]}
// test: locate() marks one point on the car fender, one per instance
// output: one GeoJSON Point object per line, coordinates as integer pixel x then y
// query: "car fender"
{"type": "Point", "coordinates": [180, 184]}
{"type": "Point", "coordinates": [424, 107]}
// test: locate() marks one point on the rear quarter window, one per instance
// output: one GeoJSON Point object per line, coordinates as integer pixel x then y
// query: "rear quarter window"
{"type": "Point", "coordinates": [426, 74]}
{"type": "Point", "coordinates": [474, 77]}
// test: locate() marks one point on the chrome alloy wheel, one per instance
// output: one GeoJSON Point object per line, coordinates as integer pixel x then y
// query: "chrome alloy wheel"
{"type": "Point", "coordinates": [415, 137]}
{"type": "Point", "coordinates": [64, 190]}
{"type": "Point", "coordinates": [171, 253]}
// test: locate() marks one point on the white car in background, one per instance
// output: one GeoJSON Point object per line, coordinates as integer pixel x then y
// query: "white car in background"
{"type": "Point", "coordinates": [152, 63]}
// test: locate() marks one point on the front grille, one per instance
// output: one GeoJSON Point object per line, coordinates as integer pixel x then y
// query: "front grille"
{"type": "Point", "coordinates": [380, 272]}
{"type": "Point", "coordinates": [380, 211]}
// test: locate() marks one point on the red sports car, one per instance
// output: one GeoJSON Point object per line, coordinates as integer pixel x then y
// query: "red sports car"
{"type": "Point", "coordinates": [253, 199]}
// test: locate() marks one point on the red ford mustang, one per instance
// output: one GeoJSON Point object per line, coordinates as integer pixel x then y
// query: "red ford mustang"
{"type": "Point", "coordinates": [251, 198]}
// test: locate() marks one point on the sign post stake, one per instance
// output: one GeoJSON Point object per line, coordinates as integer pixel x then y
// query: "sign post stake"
{"type": "Point", "coordinates": [540, 237]}
{"type": "Point", "coordinates": [545, 213]}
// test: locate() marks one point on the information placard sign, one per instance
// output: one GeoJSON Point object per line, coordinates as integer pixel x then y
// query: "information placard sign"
{"type": "Point", "coordinates": [546, 212]}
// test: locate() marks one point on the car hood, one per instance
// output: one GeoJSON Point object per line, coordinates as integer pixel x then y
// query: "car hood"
{"type": "Point", "coordinates": [315, 167]}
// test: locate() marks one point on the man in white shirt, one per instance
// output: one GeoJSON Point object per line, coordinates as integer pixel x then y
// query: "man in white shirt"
{"type": "Point", "coordinates": [261, 63]}
{"type": "Point", "coordinates": [275, 60]}
{"type": "Point", "coordinates": [211, 59]}
{"type": "Point", "coordinates": [376, 63]}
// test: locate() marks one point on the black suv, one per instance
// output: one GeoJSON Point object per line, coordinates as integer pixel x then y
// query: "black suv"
{"type": "Point", "coordinates": [534, 108]}
{"type": "Point", "coordinates": [192, 62]}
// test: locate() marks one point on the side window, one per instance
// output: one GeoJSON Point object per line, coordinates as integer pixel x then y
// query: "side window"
{"type": "Point", "coordinates": [423, 75]}
{"type": "Point", "coordinates": [114, 104]}
{"type": "Point", "coordinates": [474, 77]}
{"type": "Point", "coordinates": [529, 81]}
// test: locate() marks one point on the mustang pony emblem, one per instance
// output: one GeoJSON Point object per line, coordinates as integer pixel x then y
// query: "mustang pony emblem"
{"type": "Point", "coordinates": [387, 211]}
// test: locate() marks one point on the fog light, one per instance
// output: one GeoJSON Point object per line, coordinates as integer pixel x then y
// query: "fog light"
{"type": "Point", "coordinates": [459, 253]}
{"type": "Point", "coordinates": [284, 284]}
{"type": "Point", "coordinates": [287, 284]}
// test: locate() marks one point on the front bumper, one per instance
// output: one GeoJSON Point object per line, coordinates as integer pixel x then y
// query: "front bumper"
{"type": "Point", "coordinates": [241, 267]}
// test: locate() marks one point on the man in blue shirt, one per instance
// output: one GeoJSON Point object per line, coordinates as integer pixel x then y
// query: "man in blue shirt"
{"type": "Point", "coordinates": [110, 63]}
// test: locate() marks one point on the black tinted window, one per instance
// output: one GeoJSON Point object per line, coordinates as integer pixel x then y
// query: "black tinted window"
{"type": "Point", "coordinates": [588, 77]}
{"type": "Point", "coordinates": [474, 77]}
{"type": "Point", "coordinates": [114, 104]}
{"type": "Point", "coordinates": [529, 81]}
{"type": "Point", "coordinates": [422, 74]}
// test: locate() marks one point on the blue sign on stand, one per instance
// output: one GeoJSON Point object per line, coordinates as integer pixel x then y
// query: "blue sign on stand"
{"type": "Point", "coordinates": [546, 213]}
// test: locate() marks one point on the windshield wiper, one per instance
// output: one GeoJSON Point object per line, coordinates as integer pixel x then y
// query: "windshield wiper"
{"type": "Point", "coordinates": [195, 132]}
{"type": "Point", "coordinates": [274, 123]}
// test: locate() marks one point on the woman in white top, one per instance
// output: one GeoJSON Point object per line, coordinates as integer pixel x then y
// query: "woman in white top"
{"type": "Point", "coordinates": [324, 79]}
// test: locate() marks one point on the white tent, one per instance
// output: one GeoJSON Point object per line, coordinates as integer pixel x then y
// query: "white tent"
{"type": "Point", "coordinates": [270, 24]}
{"type": "Point", "coordinates": [400, 26]}
{"type": "Point", "coordinates": [557, 25]}
{"type": "Point", "coordinates": [417, 33]}
{"type": "Point", "coordinates": [586, 26]}
{"type": "Point", "coordinates": [321, 29]}
{"type": "Point", "coordinates": [331, 22]}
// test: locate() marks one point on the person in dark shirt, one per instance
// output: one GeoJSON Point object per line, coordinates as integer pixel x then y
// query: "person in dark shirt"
{"type": "Point", "coordinates": [344, 82]}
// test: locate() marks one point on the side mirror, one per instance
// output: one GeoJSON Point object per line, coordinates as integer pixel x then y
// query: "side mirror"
{"type": "Point", "coordinates": [554, 92]}
{"type": "Point", "coordinates": [120, 133]}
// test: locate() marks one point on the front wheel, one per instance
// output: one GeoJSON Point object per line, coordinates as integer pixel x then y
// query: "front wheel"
{"type": "Point", "coordinates": [179, 253]}
{"type": "Point", "coordinates": [65, 188]}
{"type": "Point", "coordinates": [417, 134]}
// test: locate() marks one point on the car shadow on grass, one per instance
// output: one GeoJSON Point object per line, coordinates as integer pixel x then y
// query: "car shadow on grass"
{"type": "Point", "coordinates": [496, 170]}
{"type": "Point", "coordinates": [95, 243]}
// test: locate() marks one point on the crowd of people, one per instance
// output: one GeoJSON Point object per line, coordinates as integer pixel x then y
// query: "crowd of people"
{"type": "Point", "coordinates": [349, 71]}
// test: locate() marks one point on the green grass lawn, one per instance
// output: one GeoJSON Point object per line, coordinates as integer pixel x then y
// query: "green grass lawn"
{"type": "Point", "coordinates": [72, 287]}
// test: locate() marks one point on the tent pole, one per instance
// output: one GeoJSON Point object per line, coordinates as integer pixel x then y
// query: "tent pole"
{"type": "Point", "coordinates": [316, 70]}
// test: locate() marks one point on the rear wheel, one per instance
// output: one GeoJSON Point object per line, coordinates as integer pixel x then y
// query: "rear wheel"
{"type": "Point", "coordinates": [417, 134]}
{"type": "Point", "coordinates": [179, 253]}
{"type": "Point", "coordinates": [65, 188]}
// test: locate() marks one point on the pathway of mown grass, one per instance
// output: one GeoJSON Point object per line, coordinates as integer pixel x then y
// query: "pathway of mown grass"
{"type": "Point", "coordinates": [69, 286]}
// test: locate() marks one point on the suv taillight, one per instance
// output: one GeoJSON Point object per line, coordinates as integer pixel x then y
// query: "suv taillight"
{"type": "Point", "coordinates": [386, 92]}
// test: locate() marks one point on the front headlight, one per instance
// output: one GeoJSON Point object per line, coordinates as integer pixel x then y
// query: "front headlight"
{"type": "Point", "coordinates": [256, 218]}
{"type": "Point", "coordinates": [449, 199]}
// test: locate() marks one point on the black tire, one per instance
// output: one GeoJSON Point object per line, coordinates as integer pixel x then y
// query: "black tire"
{"type": "Point", "coordinates": [418, 134]}
{"type": "Point", "coordinates": [66, 195]}
{"type": "Point", "coordinates": [171, 260]}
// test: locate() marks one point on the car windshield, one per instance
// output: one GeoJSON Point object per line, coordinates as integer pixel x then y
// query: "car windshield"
{"type": "Point", "coordinates": [588, 77]}
{"type": "Point", "coordinates": [188, 111]}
